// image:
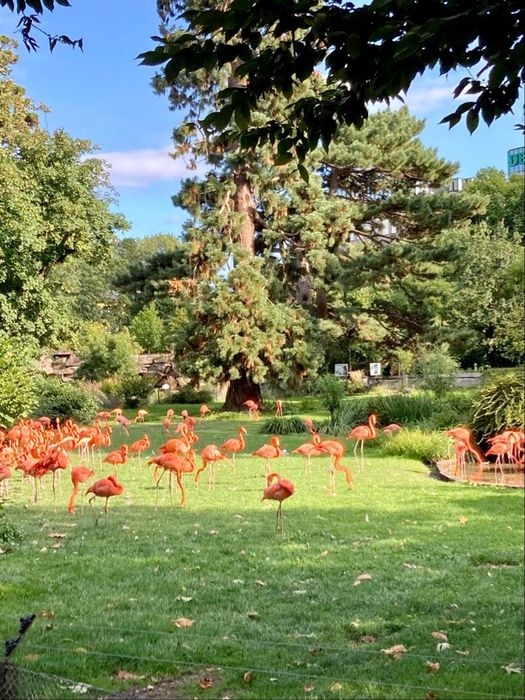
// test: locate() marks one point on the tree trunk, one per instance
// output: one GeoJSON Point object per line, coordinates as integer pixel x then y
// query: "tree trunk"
{"type": "Point", "coordinates": [244, 203]}
{"type": "Point", "coordinates": [239, 391]}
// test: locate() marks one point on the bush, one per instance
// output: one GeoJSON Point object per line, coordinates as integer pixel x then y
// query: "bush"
{"type": "Point", "coordinates": [332, 392]}
{"type": "Point", "coordinates": [347, 417]}
{"type": "Point", "coordinates": [283, 426]}
{"type": "Point", "coordinates": [500, 405]}
{"type": "Point", "coordinates": [354, 383]}
{"type": "Point", "coordinates": [190, 394]}
{"type": "Point", "coordinates": [426, 446]}
{"type": "Point", "coordinates": [17, 390]}
{"type": "Point", "coordinates": [108, 355]}
{"type": "Point", "coordinates": [58, 399]}
{"type": "Point", "coordinates": [437, 369]}
{"type": "Point", "coordinates": [8, 532]}
{"type": "Point", "coordinates": [451, 410]}
{"type": "Point", "coordinates": [134, 390]}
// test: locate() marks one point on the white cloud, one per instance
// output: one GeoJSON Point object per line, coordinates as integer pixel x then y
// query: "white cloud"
{"type": "Point", "coordinates": [424, 96]}
{"type": "Point", "coordinates": [142, 167]}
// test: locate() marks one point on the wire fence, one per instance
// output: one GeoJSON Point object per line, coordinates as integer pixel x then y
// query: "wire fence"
{"type": "Point", "coordinates": [22, 684]}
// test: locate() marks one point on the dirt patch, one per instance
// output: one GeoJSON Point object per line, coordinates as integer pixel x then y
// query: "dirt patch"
{"type": "Point", "coordinates": [182, 687]}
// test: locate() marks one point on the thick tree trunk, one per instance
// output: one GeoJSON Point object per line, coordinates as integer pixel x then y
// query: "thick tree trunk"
{"type": "Point", "coordinates": [244, 203]}
{"type": "Point", "coordinates": [239, 391]}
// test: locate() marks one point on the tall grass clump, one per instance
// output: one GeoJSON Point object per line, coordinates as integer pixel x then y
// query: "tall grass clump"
{"type": "Point", "coordinates": [283, 426]}
{"type": "Point", "coordinates": [500, 405]}
{"type": "Point", "coordinates": [425, 446]}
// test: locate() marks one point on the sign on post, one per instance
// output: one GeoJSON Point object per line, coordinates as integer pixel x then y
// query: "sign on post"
{"type": "Point", "coordinates": [341, 370]}
{"type": "Point", "coordinates": [375, 369]}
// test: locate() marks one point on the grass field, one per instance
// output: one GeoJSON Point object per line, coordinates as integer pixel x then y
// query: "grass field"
{"type": "Point", "coordinates": [287, 610]}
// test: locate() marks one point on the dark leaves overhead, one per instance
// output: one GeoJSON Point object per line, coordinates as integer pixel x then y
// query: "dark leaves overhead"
{"type": "Point", "coordinates": [369, 53]}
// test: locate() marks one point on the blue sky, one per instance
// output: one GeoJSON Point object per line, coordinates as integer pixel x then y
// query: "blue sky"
{"type": "Point", "coordinates": [104, 95]}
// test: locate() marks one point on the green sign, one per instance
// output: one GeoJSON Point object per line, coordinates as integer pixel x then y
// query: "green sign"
{"type": "Point", "coordinates": [516, 160]}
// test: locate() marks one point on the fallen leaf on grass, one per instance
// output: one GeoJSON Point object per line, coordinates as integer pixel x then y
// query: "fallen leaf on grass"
{"type": "Point", "coordinates": [57, 545]}
{"type": "Point", "coordinates": [184, 598]}
{"type": "Point", "coordinates": [309, 688]}
{"type": "Point", "coordinates": [368, 639]}
{"type": "Point", "coordinates": [43, 550]}
{"type": "Point", "coordinates": [57, 535]}
{"type": "Point", "coordinates": [46, 613]}
{"type": "Point", "coordinates": [183, 622]}
{"type": "Point", "coordinates": [126, 675]}
{"type": "Point", "coordinates": [462, 519]}
{"type": "Point", "coordinates": [440, 635]}
{"type": "Point", "coordinates": [81, 650]}
{"type": "Point", "coordinates": [31, 657]}
{"type": "Point", "coordinates": [248, 677]}
{"type": "Point", "coordinates": [512, 668]}
{"type": "Point", "coordinates": [260, 584]}
{"type": "Point", "coordinates": [5, 551]}
{"type": "Point", "coordinates": [395, 651]}
{"type": "Point", "coordinates": [443, 646]}
{"type": "Point", "coordinates": [462, 653]}
{"type": "Point", "coordinates": [335, 687]}
{"type": "Point", "coordinates": [206, 683]}
{"type": "Point", "coordinates": [410, 566]}
{"type": "Point", "coordinates": [362, 577]}
{"type": "Point", "coordinates": [253, 615]}
{"type": "Point", "coordinates": [324, 553]}
{"type": "Point", "coordinates": [430, 695]}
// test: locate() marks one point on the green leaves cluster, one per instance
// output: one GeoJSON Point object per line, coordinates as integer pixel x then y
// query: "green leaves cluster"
{"type": "Point", "coordinates": [17, 388]}
{"type": "Point", "coordinates": [500, 406]}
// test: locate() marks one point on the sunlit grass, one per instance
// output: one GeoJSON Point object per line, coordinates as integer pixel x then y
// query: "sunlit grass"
{"type": "Point", "coordinates": [441, 556]}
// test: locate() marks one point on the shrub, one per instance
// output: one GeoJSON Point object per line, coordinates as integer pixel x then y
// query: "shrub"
{"type": "Point", "coordinates": [283, 426]}
{"type": "Point", "coordinates": [332, 392]}
{"type": "Point", "coordinates": [190, 394]}
{"type": "Point", "coordinates": [354, 383]}
{"type": "Point", "coordinates": [8, 532]}
{"type": "Point", "coordinates": [500, 405]}
{"type": "Point", "coordinates": [134, 390]}
{"type": "Point", "coordinates": [107, 355]}
{"type": "Point", "coordinates": [58, 399]}
{"type": "Point", "coordinates": [426, 446]}
{"type": "Point", "coordinates": [437, 369]}
{"type": "Point", "coordinates": [347, 417]}
{"type": "Point", "coordinates": [17, 390]}
{"type": "Point", "coordinates": [401, 408]}
{"type": "Point", "coordinates": [451, 410]}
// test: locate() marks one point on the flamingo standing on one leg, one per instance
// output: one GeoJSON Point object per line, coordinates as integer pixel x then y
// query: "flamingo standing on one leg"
{"type": "Point", "coordinates": [268, 452]}
{"type": "Point", "coordinates": [78, 476]}
{"type": "Point", "coordinates": [234, 445]}
{"type": "Point", "coordinates": [336, 451]}
{"type": "Point", "coordinates": [278, 489]}
{"type": "Point", "coordinates": [105, 488]}
{"type": "Point", "coordinates": [361, 433]}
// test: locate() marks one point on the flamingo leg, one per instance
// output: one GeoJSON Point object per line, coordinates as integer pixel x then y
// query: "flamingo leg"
{"type": "Point", "coordinates": [170, 487]}
{"type": "Point", "coordinates": [53, 488]}
{"type": "Point", "coordinates": [278, 522]}
{"type": "Point", "coordinates": [233, 465]}
{"type": "Point", "coordinates": [106, 512]}
{"type": "Point", "coordinates": [362, 454]}
{"type": "Point", "coordinates": [308, 466]}
{"type": "Point", "coordinates": [91, 504]}
{"type": "Point", "coordinates": [181, 487]}
{"type": "Point", "coordinates": [355, 455]}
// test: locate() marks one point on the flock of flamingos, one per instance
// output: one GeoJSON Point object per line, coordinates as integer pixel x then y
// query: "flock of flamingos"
{"type": "Point", "coordinates": [37, 448]}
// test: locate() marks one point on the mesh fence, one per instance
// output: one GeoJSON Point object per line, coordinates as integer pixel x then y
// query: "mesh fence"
{"type": "Point", "coordinates": [21, 684]}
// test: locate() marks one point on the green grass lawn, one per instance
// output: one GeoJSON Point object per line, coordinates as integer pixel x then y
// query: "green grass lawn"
{"type": "Point", "coordinates": [285, 609]}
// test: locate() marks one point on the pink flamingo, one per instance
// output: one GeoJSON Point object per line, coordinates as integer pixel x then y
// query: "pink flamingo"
{"type": "Point", "coordinates": [234, 445]}
{"type": "Point", "coordinates": [105, 488]}
{"type": "Point", "coordinates": [210, 454]}
{"type": "Point", "coordinates": [336, 451]}
{"type": "Point", "coordinates": [278, 489]}
{"type": "Point", "coordinates": [309, 450]}
{"type": "Point", "coordinates": [361, 433]}
{"type": "Point", "coordinates": [268, 452]}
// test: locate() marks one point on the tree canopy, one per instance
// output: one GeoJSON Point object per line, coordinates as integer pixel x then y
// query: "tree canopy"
{"type": "Point", "coordinates": [367, 53]}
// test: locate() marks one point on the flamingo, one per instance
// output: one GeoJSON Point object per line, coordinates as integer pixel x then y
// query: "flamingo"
{"type": "Point", "coordinates": [309, 450]}
{"type": "Point", "coordinates": [268, 452]}
{"type": "Point", "coordinates": [361, 433]}
{"type": "Point", "coordinates": [278, 408]}
{"type": "Point", "coordinates": [336, 451]}
{"type": "Point", "coordinates": [204, 411]}
{"type": "Point", "coordinates": [140, 445]}
{"type": "Point", "coordinates": [278, 489]}
{"type": "Point", "coordinates": [392, 428]}
{"type": "Point", "coordinates": [78, 476]}
{"type": "Point", "coordinates": [210, 454]}
{"type": "Point", "coordinates": [234, 445]}
{"type": "Point", "coordinates": [141, 413]}
{"type": "Point", "coordinates": [500, 449]}
{"type": "Point", "coordinates": [460, 449]}
{"type": "Point", "coordinates": [117, 456]}
{"type": "Point", "coordinates": [166, 424]}
{"type": "Point", "coordinates": [5, 475]}
{"type": "Point", "coordinates": [465, 435]}
{"type": "Point", "coordinates": [173, 463]}
{"type": "Point", "coordinates": [123, 422]}
{"type": "Point", "coordinates": [253, 408]}
{"type": "Point", "coordinates": [105, 488]}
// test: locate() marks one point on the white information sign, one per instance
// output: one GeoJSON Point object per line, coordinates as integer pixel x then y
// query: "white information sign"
{"type": "Point", "coordinates": [375, 369]}
{"type": "Point", "coordinates": [341, 370]}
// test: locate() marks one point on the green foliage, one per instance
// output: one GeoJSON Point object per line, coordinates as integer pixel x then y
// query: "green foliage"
{"type": "Point", "coordinates": [504, 197]}
{"type": "Point", "coordinates": [108, 354]}
{"type": "Point", "coordinates": [54, 206]}
{"type": "Point", "coordinates": [370, 52]}
{"type": "Point", "coordinates": [58, 399]}
{"type": "Point", "coordinates": [191, 394]}
{"type": "Point", "coordinates": [426, 446]}
{"type": "Point", "coordinates": [9, 534]}
{"type": "Point", "coordinates": [133, 390]}
{"type": "Point", "coordinates": [17, 390]}
{"type": "Point", "coordinates": [286, 425]}
{"type": "Point", "coordinates": [333, 391]}
{"type": "Point", "coordinates": [500, 405]}
{"type": "Point", "coordinates": [149, 331]}
{"type": "Point", "coordinates": [437, 368]}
